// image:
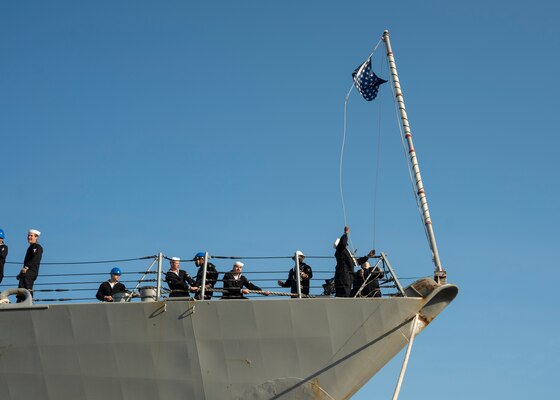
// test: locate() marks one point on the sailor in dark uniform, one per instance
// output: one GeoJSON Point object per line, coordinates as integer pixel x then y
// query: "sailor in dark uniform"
{"type": "Point", "coordinates": [345, 263]}
{"type": "Point", "coordinates": [30, 270]}
{"type": "Point", "coordinates": [235, 282]}
{"type": "Point", "coordinates": [367, 279]}
{"type": "Point", "coordinates": [306, 273]}
{"type": "Point", "coordinates": [211, 276]}
{"type": "Point", "coordinates": [178, 280]}
{"type": "Point", "coordinates": [3, 254]}
{"type": "Point", "coordinates": [111, 287]}
{"type": "Point", "coordinates": [344, 266]}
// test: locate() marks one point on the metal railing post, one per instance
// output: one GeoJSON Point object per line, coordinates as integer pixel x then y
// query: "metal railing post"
{"type": "Point", "coordinates": [159, 266]}
{"type": "Point", "coordinates": [386, 262]}
{"type": "Point", "coordinates": [145, 274]}
{"type": "Point", "coordinates": [298, 274]}
{"type": "Point", "coordinates": [203, 289]}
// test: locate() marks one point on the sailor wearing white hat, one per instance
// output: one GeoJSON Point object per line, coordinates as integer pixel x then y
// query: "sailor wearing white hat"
{"type": "Point", "coordinates": [178, 280]}
{"type": "Point", "coordinates": [345, 263]}
{"type": "Point", "coordinates": [306, 273]}
{"type": "Point", "coordinates": [344, 266]}
{"type": "Point", "coordinates": [236, 284]}
{"type": "Point", "coordinates": [30, 270]}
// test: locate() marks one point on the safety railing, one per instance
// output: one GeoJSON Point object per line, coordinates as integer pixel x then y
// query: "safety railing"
{"type": "Point", "coordinates": [70, 282]}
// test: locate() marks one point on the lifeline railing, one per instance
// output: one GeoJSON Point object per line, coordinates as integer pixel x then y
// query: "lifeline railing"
{"type": "Point", "coordinates": [135, 277]}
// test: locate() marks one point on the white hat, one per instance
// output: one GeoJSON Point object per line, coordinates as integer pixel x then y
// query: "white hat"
{"type": "Point", "coordinates": [300, 253]}
{"type": "Point", "coordinates": [175, 259]}
{"type": "Point", "coordinates": [336, 242]}
{"type": "Point", "coordinates": [34, 232]}
{"type": "Point", "coordinates": [238, 264]}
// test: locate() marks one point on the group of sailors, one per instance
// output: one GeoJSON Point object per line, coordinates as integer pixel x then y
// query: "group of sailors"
{"type": "Point", "coordinates": [363, 283]}
{"type": "Point", "coordinates": [181, 284]}
{"type": "Point", "coordinates": [347, 283]}
{"type": "Point", "coordinates": [30, 269]}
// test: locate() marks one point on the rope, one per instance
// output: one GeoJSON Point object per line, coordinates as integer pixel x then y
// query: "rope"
{"type": "Point", "coordinates": [342, 152]}
{"type": "Point", "coordinates": [250, 257]}
{"type": "Point", "coordinates": [237, 258]}
{"type": "Point", "coordinates": [85, 283]}
{"type": "Point", "coordinates": [277, 293]}
{"type": "Point", "coordinates": [153, 257]}
{"type": "Point", "coordinates": [264, 292]}
{"type": "Point", "coordinates": [86, 274]}
{"type": "Point", "coordinates": [406, 357]}
{"type": "Point", "coordinates": [88, 262]}
{"type": "Point", "coordinates": [344, 142]}
{"type": "Point", "coordinates": [377, 164]}
{"type": "Point", "coordinates": [66, 299]}
{"type": "Point", "coordinates": [87, 298]}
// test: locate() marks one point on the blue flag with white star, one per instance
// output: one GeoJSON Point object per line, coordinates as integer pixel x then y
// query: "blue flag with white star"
{"type": "Point", "coordinates": [366, 81]}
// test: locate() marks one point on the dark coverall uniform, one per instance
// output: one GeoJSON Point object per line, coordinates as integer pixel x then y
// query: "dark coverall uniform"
{"type": "Point", "coordinates": [371, 288]}
{"type": "Point", "coordinates": [3, 255]}
{"type": "Point", "coordinates": [105, 289]}
{"type": "Point", "coordinates": [211, 279]}
{"type": "Point", "coordinates": [232, 286]}
{"type": "Point", "coordinates": [291, 282]}
{"type": "Point", "coordinates": [179, 284]}
{"type": "Point", "coordinates": [344, 272]}
{"type": "Point", "coordinates": [32, 261]}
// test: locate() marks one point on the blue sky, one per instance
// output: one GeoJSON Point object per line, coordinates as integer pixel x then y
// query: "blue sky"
{"type": "Point", "coordinates": [133, 127]}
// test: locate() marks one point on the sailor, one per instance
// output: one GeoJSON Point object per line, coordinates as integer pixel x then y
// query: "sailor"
{"type": "Point", "coordinates": [306, 273]}
{"type": "Point", "coordinates": [178, 280]}
{"type": "Point", "coordinates": [3, 254]}
{"type": "Point", "coordinates": [236, 284]}
{"type": "Point", "coordinates": [345, 263]}
{"type": "Point", "coordinates": [211, 275]}
{"type": "Point", "coordinates": [31, 263]}
{"type": "Point", "coordinates": [344, 266]}
{"type": "Point", "coordinates": [367, 279]}
{"type": "Point", "coordinates": [111, 287]}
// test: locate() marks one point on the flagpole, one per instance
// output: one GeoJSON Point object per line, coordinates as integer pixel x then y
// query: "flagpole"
{"type": "Point", "coordinates": [440, 275]}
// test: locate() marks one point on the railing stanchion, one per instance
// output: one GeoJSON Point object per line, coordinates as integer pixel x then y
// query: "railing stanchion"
{"type": "Point", "coordinates": [145, 274]}
{"type": "Point", "coordinates": [159, 265]}
{"type": "Point", "coordinates": [395, 279]}
{"type": "Point", "coordinates": [298, 274]}
{"type": "Point", "coordinates": [203, 283]}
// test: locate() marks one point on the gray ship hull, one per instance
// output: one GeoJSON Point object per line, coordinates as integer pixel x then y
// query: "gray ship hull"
{"type": "Point", "coordinates": [325, 348]}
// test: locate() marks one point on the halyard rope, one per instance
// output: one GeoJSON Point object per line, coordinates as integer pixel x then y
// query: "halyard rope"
{"type": "Point", "coordinates": [344, 142]}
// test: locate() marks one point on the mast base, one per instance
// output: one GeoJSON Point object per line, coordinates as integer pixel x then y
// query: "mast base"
{"type": "Point", "coordinates": [441, 277]}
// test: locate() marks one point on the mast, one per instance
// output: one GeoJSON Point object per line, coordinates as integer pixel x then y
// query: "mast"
{"type": "Point", "coordinates": [439, 273]}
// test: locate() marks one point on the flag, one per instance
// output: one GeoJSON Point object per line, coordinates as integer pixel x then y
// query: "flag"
{"type": "Point", "coordinates": [366, 81]}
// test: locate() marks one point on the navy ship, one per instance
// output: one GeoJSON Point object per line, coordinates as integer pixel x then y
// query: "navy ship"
{"type": "Point", "coordinates": [159, 347]}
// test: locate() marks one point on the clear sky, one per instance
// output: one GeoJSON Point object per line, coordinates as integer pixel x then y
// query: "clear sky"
{"type": "Point", "coordinates": [133, 127]}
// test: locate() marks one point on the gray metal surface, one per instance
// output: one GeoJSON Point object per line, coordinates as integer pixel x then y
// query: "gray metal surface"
{"type": "Point", "coordinates": [220, 349]}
